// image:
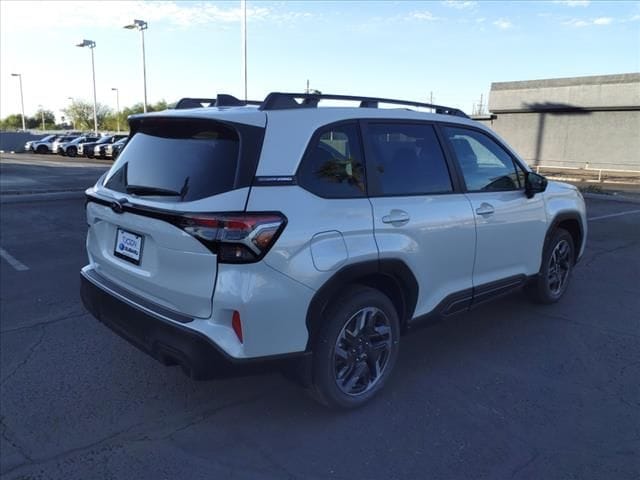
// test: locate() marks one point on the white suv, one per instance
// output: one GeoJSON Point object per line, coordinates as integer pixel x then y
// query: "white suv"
{"type": "Point", "coordinates": [311, 238]}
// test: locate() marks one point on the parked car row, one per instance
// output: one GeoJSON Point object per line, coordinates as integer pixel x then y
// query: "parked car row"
{"type": "Point", "coordinates": [98, 147]}
{"type": "Point", "coordinates": [45, 145]}
{"type": "Point", "coordinates": [112, 150]}
{"type": "Point", "coordinates": [78, 144]}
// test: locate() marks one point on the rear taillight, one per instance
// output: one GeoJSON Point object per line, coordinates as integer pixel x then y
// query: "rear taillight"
{"type": "Point", "coordinates": [235, 238]}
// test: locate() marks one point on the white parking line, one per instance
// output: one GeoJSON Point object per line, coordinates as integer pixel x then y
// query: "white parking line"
{"type": "Point", "coordinates": [628, 212]}
{"type": "Point", "coordinates": [18, 265]}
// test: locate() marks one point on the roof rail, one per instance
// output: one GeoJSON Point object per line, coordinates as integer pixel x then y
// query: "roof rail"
{"type": "Point", "coordinates": [222, 100]}
{"type": "Point", "coordinates": [286, 101]}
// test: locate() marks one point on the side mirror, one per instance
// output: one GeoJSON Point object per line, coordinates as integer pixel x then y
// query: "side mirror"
{"type": "Point", "coordinates": [533, 184]}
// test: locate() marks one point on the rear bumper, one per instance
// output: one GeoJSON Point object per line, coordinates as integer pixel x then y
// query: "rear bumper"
{"type": "Point", "coordinates": [173, 343]}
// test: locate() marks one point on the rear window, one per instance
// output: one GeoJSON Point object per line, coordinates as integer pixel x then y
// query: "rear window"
{"type": "Point", "coordinates": [177, 160]}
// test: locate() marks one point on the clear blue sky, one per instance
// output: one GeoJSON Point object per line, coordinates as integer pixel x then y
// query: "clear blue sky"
{"type": "Point", "coordinates": [394, 49]}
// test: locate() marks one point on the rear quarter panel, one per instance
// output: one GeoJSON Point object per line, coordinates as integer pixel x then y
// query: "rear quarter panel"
{"type": "Point", "coordinates": [336, 231]}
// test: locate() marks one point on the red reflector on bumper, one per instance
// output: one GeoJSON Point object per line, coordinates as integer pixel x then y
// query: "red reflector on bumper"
{"type": "Point", "coordinates": [237, 325]}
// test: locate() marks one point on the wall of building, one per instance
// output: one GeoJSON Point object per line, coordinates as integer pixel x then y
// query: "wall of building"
{"type": "Point", "coordinates": [14, 141]}
{"type": "Point", "coordinates": [574, 122]}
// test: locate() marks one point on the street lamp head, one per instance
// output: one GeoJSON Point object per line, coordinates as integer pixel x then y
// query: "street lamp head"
{"type": "Point", "coordinates": [86, 43]}
{"type": "Point", "coordinates": [138, 24]}
{"type": "Point", "coordinates": [114, 89]}
{"type": "Point", "coordinates": [16, 74]}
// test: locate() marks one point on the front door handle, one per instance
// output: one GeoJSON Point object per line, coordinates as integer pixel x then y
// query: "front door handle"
{"type": "Point", "coordinates": [396, 218]}
{"type": "Point", "coordinates": [485, 209]}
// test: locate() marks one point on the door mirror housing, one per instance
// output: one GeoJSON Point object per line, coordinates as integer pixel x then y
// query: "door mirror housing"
{"type": "Point", "coordinates": [534, 183]}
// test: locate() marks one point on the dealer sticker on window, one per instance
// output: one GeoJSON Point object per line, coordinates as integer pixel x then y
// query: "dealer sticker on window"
{"type": "Point", "coordinates": [128, 246]}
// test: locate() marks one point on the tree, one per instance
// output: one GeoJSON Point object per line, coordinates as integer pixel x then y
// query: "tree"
{"type": "Point", "coordinates": [133, 110]}
{"type": "Point", "coordinates": [35, 122]}
{"type": "Point", "coordinates": [81, 114]}
{"type": "Point", "coordinates": [12, 122]}
{"type": "Point", "coordinates": [159, 106]}
{"type": "Point", "coordinates": [139, 108]}
{"type": "Point", "coordinates": [111, 120]}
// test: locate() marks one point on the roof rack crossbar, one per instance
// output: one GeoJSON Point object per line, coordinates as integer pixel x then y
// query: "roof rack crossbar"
{"type": "Point", "coordinates": [285, 101]}
{"type": "Point", "coordinates": [225, 100]}
{"type": "Point", "coordinates": [194, 103]}
{"type": "Point", "coordinates": [222, 100]}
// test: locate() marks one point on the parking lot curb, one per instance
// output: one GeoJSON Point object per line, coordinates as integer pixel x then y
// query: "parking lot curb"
{"type": "Point", "coordinates": [612, 197]}
{"type": "Point", "coordinates": [37, 197]}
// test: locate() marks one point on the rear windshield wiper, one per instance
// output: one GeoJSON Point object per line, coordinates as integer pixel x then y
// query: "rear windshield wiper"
{"type": "Point", "coordinates": [144, 190]}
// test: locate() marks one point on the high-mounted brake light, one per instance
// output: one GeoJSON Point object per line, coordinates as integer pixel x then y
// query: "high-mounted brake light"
{"type": "Point", "coordinates": [235, 238]}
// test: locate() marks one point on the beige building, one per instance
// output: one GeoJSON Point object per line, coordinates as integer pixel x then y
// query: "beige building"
{"type": "Point", "coordinates": [570, 122]}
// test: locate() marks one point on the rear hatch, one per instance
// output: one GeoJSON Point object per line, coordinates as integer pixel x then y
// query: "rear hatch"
{"type": "Point", "coordinates": [154, 217]}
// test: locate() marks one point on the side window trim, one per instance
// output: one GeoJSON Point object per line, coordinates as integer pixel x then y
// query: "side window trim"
{"type": "Point", "coordinates": [373, 179]}
{"type": "Point", "coordinates": [457, 178]}
{"type": "Point", "coordinates": [311, 145]}
{"type": "Point", "coordinates": [451, 153]}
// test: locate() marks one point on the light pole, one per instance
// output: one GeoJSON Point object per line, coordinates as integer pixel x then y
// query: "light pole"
{"type": "Point", "coordinates": [91, 44]}
{"type": "Point", "coordinates": [243, 7]}
{"type": "Point", "coordinates": [70, 119]}
{"type": "Point", "coordinates": [117, 107]}
{"type": "Point", "coordinates": [141, 25]}
{"type": "Point", "coordinates": [19, 75]}
{"type": "Point", "coordinates": [42, 114]}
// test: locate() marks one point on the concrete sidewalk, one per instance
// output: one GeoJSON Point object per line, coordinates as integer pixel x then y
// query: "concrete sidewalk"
{"type": "Point", "coordinates": [609, 179]}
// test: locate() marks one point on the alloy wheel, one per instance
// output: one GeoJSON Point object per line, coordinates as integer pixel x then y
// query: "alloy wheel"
{"type": "Point", "coordinates": [559, 267]}
{"type": "Point", "coordinates": [362, 351]}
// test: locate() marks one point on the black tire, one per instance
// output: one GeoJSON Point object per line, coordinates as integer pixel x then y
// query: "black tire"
{"type": "Point", "coordinates": [558, 259]}
{"type": "Point", "coordinates": [42, 149]}
{"type": "Point", "coordinates": [350, 379]}
{"type": "Point", "coordinates": [72, 151]}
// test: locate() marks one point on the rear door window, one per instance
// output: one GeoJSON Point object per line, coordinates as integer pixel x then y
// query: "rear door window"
{"type": "Point", "coordinates": [179, 160]}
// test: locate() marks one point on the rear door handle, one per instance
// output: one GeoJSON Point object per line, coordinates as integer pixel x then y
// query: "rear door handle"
{"type": "Point", "coordinates": [396, 218]}
{"type": "Point", "coordinates": [485, 209]}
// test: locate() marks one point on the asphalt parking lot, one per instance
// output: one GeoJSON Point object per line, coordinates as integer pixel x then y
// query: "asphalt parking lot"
{"type": "Point", "coordinates": [509, 390]}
